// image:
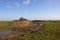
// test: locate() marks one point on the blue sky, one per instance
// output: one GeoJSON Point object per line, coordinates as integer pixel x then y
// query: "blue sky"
{"type": "Point", "coordinates": [30, 9]}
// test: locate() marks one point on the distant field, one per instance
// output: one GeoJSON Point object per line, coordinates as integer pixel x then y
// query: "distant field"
{"type": "Point", "coordinates": [5, 25]}
{"type": "Point", "coordinates": [50, 32]}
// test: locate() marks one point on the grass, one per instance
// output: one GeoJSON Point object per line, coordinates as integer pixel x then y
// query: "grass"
{"type": "Point", "coordinates": [50, 32]}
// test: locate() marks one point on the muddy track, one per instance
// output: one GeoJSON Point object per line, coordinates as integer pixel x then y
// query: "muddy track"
{"type": "Point", "coordinates": [23, 31]}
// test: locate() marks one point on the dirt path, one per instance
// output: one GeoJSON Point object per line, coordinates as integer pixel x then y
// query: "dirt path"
{"type": "Point", "coordinates": [23, 31]}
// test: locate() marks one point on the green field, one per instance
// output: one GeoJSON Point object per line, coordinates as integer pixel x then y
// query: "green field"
{"type": "Point", "coordinates": [50, 32]}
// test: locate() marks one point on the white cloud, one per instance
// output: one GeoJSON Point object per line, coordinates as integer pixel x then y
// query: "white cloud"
{"type": "Point", "coordinates": [9, 6]}
{"type": "Point", "coordinates": [17, 4]}
{"type": "Point", "coordinates": [14, 5]}
{"type": "Point", "coordinates": [26, 2]}
{"type": "Point", "coordinates": [54, 17]}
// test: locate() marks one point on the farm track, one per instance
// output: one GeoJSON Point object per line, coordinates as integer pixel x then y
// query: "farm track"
{"type": "Point", "coordinates": [22, 31]}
